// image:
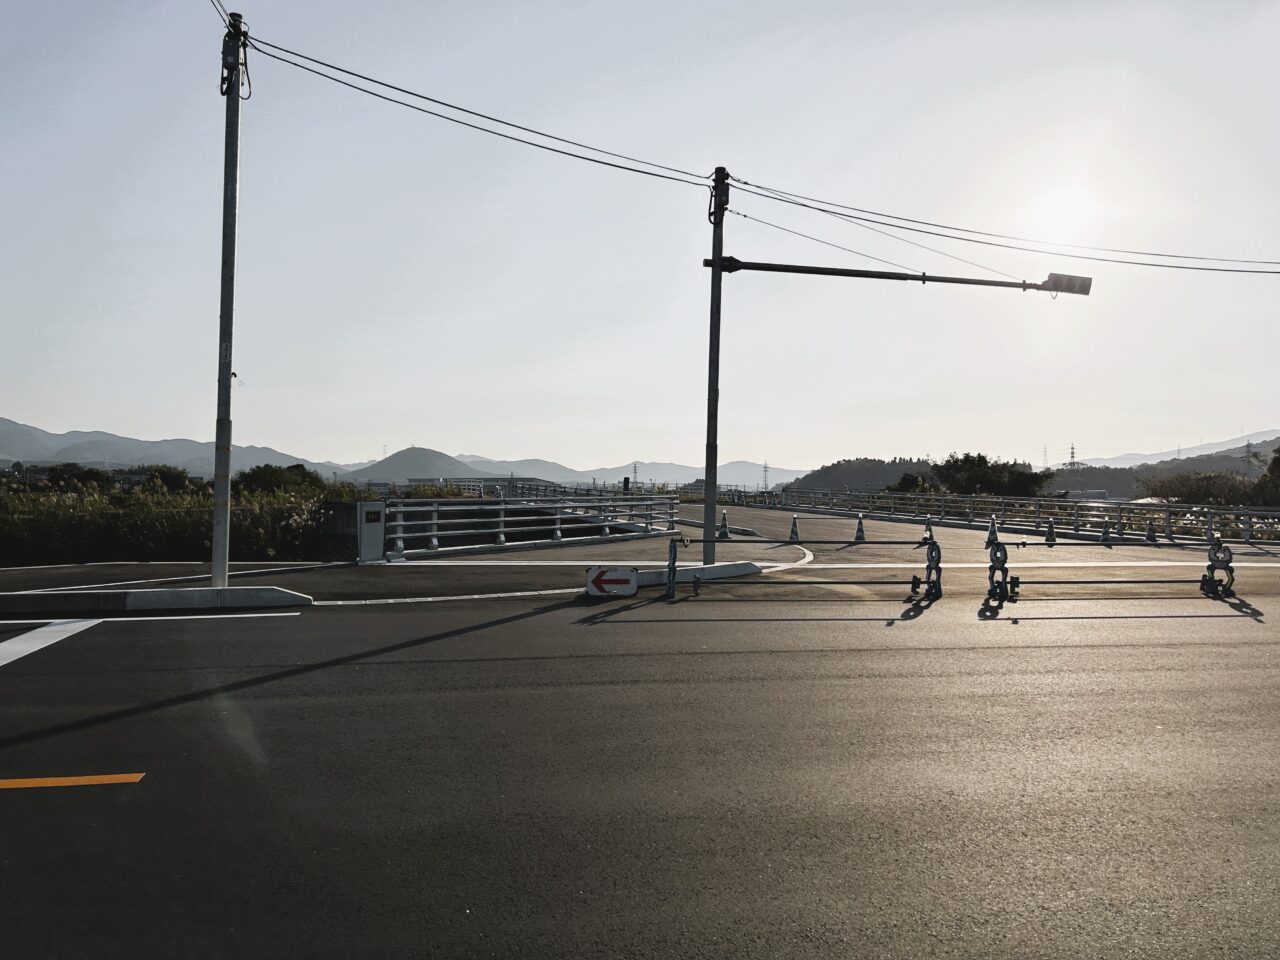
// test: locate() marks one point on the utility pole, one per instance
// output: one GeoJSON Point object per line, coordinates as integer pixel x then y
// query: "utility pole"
{"type": "Point", "coordinates": [719, 203]}
{"type": "Point", "coordinates": [234, 47]}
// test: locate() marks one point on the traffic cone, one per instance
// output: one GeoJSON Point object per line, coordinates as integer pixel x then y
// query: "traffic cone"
{"type": "Point", "coordinates": [795, 529]}
{"type": "Point", "coordinates": [723, 533]}
{"type": "Point", "coordinates": [859, 535]}
{"type": "Point", "coordinates": [1151, 532]}
{"type": "Point", "coordinates": [1105, 537]}
{"type": "Point", "coordinates": [1050, 535]}
{"type": "Point", "coordinates": [993, 537]}
{"type": "Point", "coordinates": [928, 528]}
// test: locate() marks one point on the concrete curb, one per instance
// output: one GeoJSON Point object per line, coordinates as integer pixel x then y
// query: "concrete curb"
{"type": "Point", "coordinates": [716, 571]}
{"type": "Point", "coordinates": [124, 601]}
{"type": "Point", "coordinates": [740, 531]}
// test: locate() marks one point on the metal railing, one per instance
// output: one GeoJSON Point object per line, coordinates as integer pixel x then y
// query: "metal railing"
{"type": "Point", "coordinates": [1198, 523]}
{"type": "Point", "coordinates": [423, 527]}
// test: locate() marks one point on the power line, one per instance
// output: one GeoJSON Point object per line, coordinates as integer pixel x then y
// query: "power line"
{"type": "Point", "coordinates": [893, 236]}
{"type": "Point", "coordinates": [827, 243]}
{"type": "Point", "coordinates": [1002, 236]}
{"type": "Point", "coordinates": [476, 113]}
{"type": "Point", "coordinates": [1003, 246]}
{"type": "Point", "coordinates": [475, 126]}
{"type": "Point", "coordinates": [221, 11]}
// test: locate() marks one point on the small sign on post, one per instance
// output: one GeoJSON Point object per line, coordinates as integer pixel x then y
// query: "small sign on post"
{"type": "Point", "coordinates": [612, 581]}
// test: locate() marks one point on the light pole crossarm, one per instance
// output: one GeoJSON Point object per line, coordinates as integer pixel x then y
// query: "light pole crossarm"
{"type": "Point", "coordinates": [1055, 284]}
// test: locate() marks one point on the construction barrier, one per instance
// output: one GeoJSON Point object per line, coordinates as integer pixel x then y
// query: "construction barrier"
{"type": "Point", "coordinates": [926, 586]}
{"type": "Point", "coordinates": [1002, 586]}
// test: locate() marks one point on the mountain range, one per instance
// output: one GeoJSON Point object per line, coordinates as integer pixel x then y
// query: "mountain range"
{"type": "Point", "coordinates": [20, 441]}
{"type": "Point", "coordinates": [1263, 441]}
{"type": "Point", "coordinates": [94, 448]}
{"type": "Point", "coordinates": [31, 445]}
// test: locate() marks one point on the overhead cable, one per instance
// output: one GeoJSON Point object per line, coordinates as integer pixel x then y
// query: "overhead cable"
{"type": "Point", "coordinates": [827, 243]}
{"type": "Point", "coordinates": [1003, 236]}
{"type": "Point", "coordinates": [1004, 246]}
{"type": "Point", "coordinates": [476, 113]}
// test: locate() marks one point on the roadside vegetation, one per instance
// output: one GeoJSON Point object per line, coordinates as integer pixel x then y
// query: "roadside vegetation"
{"type": "Point", "coordinates": [1249, 480]}
{"type": "Point", "coordinates": [75, 514]}
{"type": "Point", "coordinates": [1220, 487]}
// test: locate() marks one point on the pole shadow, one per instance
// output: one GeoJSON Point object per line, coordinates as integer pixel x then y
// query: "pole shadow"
{"type": "Point", "coordinates": [1240, 608]}
{"type": "Point", "coordinates": [209, 693]}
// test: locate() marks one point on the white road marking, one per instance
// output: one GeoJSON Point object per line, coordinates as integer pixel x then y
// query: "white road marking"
{"type": "Point", "coordinates": [198, 576]}
{"type": "Point", "coordinates": [25, 643]}
{"type": "Point", "coordinates": [467, 596]}
{"type": "Point", "coordinates": [542, 563]}
{"type": "Point", "coordinates": [194, 616]}
{"type": "Point", "coordinates": [804, 561]}
{"type": "Point", "coordinates": [1066, 564]}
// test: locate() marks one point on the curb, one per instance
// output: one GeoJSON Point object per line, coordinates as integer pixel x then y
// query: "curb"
{"type": "Point", "coordinates": [122, 601]}
{"type": "Point", "coordinates": [740, 531]}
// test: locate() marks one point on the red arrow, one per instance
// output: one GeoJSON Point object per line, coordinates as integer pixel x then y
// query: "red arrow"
{"type": "Point", "coordinates": [599, 582]}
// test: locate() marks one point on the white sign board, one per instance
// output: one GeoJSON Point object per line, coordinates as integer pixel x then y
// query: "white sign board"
{"type": "Point", "coordinates": [612, 581]}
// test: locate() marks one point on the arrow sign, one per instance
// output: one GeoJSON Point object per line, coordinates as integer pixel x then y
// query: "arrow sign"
{"type": "Point", "coordinates": [612, 581]}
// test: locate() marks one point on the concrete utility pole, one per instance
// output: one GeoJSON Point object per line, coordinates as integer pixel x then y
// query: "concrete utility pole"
{"type": "Point", "coordinates": [719, 203]}
{"type": "Point", "coordinates": [234, 45]}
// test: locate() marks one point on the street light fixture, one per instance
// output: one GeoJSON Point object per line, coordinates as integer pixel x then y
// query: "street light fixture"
{"type": "Point", "coordinates": [1055, 283]}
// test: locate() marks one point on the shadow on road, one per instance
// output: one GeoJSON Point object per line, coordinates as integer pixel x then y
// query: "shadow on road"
{"type": "Point", "coordinates": [1240, 607]}
{"type": "Point", "coordinates": [211, 692]}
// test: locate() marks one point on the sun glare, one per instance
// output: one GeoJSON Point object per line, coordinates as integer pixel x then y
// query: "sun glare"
{"type": "Point", "coordinates": [1063, 214]}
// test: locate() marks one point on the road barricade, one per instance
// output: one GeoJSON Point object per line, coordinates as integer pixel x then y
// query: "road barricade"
{"type": "Point", "coordinates": [925, 586]}
{"type": "Point", "coordinates": [1003, 586]}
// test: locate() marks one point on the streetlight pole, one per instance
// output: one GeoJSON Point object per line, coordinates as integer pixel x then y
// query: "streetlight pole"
{"type": "Point", "coordinates": [234, 45]}
{"type": "Point", "coordinates": [719, 203]}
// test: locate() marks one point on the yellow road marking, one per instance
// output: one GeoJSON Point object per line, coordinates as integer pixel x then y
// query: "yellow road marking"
{"type": "Point", "coordinates": [71, 781]}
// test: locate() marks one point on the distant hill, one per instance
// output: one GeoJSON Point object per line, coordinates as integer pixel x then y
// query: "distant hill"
{"type": "Point", "coordinates": [1118, 482]}
{"type": "Point", "coordinates": [416, 463]}
{"type": "Point", "coordinates": [20, 441]}
{"type": "Point", "coordinates": [742, 473]}
{"type": "Point", "coordinates": [1263, 438]}
{"type": "Point", "coordinates": [861, 473]}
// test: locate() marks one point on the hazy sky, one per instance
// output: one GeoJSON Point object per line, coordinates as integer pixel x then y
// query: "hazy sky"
{"type": "Point", "coordinates": [403, 280]}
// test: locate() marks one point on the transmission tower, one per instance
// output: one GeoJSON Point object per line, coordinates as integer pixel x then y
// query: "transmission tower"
{"type": "Point", "coordinates": [765, 471]}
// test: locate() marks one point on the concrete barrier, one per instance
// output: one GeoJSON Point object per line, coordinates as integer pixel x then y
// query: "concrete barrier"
{"type": "Point", "coordinates": [716, 571]}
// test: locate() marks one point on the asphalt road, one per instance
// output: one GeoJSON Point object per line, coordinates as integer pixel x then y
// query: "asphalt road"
{"type": "Point", "coordinates": [825, 772]}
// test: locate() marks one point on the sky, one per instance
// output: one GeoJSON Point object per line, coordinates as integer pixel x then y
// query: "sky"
{"type": "Point", "coordinates": [405, 281]}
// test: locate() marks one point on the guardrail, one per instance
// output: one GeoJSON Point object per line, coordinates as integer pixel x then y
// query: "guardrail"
{"type": "Point", "coordinates": [1119, 520]}
{"type": "Point", "coordinates": [424, 527]}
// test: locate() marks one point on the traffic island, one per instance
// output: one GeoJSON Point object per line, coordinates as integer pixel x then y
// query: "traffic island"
{"type": "Point", "coordinates": [191, 599]}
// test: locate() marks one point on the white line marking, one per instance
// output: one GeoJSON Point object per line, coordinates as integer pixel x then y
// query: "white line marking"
{"type": "Point", "coordinates": [25, 643]}
{"type": "Point", "coordinates": [803, 561]}
{"type": "Point", "coordinates": [468, 596]}
{"type": "Point", "coordinates": [194, 616]}
{"type": "Point", "coordinates": [198, 576]}
{"type": "Point", "coordinates": [146, 563]}
{"type": "Point", "coordinates": [541, 563]}
{"type": "Point", "coordinates": [1015, 565]}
